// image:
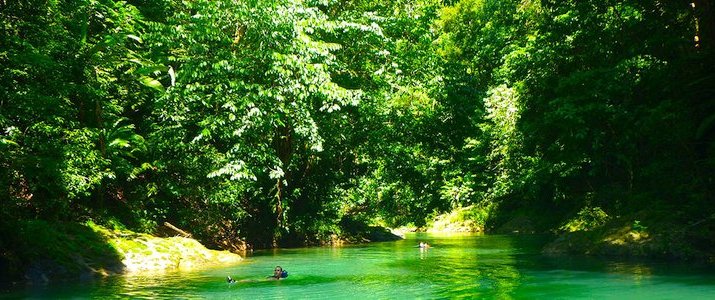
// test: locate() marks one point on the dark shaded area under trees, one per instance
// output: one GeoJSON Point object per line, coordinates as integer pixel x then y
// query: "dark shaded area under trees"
{"type": "Point", "coordinates": [292, 122]}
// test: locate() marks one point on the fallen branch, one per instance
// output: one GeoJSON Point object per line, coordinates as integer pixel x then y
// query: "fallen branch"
{"type": "Point", "coordinates": [181, 232]}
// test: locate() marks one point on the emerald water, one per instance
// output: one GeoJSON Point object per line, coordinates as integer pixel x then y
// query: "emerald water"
{"type": "Point", "coordinates": [457, 266]}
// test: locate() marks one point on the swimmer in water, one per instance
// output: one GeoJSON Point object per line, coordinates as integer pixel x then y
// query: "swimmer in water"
{"type": "Point", "coordinates": [278, 274]}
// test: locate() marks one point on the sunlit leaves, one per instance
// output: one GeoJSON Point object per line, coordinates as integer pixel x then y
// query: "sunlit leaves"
{"type": "Point", "coordinates": [236, 171]}
{"type": "Point", "coordinates": [347, 108]}
{"type": "Point", "coordinates": [573, 92]}
{"type": "Point", "coordinates": [152, 83]}
{"type": "Point", "coordinates": [83, 167]}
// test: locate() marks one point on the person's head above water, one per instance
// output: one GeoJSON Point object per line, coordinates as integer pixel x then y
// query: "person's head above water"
{"type": "Point", "coordinates": [278, 273]}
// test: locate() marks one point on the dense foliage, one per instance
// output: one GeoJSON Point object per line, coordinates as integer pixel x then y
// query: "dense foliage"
{"type": "Point", "coordinates": [288, 121]}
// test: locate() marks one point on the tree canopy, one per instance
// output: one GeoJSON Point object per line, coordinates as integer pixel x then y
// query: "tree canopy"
{"type": "Point", "coordinates": [284, 122]}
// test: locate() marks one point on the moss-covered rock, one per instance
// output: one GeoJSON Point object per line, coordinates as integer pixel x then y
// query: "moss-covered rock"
{"type": "Point", "coordinates": [143, 252]}
{"type": "Point", "coordinates": [40, 252]}
{"type": "Point", "coordinates": [364, 235]}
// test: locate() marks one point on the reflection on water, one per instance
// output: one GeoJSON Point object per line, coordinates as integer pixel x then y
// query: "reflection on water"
{"type": "Point", "coordinates": [456, 266]}
{"type": "Point", "coordinates": [636, 271]}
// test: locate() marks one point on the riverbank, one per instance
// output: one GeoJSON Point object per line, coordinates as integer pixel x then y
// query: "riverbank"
{"type": "Point", "coordinates": [39, 252]}
{"type": "Point", "coordinates": [647, 234]}
{"type": "Point", "coordinates": [360, 233]}
{"type": "Point", "coordinates": [633, 240]}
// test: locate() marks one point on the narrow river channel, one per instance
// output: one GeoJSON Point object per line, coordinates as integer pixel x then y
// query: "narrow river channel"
{"type": "Point", "coordinates": [456, 266]}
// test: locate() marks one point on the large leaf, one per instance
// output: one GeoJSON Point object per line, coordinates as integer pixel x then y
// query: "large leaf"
{"type": "Point", "coordinates": [152, 83]}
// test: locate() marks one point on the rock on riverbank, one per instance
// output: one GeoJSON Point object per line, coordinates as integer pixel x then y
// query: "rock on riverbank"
{"type": "Point", "coordinates": [142, 252]}
{"type": "Point", "coordinates": [41, 252]}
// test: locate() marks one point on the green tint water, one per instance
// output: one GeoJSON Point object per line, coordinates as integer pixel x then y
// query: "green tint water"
{"type": "Point", "coordinates": [457, 266]}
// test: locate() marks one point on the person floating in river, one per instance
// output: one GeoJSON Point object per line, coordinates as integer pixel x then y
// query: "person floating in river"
{"type": "Point", "coordinates": [278, 273]}
{"type": "Point", "coordinates": [424, 245]}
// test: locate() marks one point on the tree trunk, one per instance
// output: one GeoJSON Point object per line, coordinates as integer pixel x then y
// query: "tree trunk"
{"type": "Point", "coordinates": [283, 143]}
{"type": "Point", "coordinates": [174, 228]}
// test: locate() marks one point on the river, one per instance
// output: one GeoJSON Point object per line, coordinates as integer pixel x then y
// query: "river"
{"type": "Point", "coordinates": [456, 266]}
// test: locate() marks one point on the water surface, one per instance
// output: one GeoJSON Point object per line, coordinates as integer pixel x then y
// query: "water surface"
{"type": "Point", "coordinates": [456, 266]}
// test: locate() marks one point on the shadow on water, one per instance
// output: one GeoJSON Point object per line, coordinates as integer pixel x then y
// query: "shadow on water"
{"type": "Point", "coordinates": [40, 255]}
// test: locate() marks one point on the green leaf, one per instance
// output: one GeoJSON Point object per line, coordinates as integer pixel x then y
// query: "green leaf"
{"type": "Point", "coordinates": [152, 83]}
{"type": "Point", "coordinates": [120, 142]}
{"type": "Point", "coordinates": [7, 142]}
{"type": "Point", "coordinates": [156, 69]}
{"type": "Point", "coordinates": [134, 37]}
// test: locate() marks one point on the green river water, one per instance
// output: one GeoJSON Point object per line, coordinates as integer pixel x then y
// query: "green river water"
{"type": "Point", "coordinates": [457, 266]}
